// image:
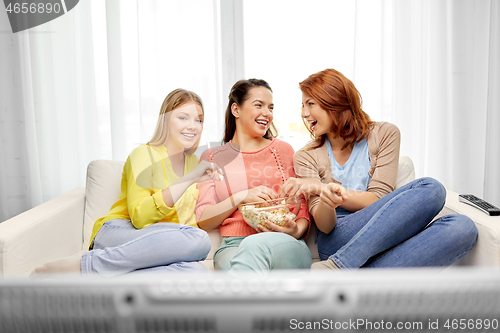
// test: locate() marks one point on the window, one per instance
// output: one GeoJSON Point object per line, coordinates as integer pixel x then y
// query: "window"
{"type": "Point", "coordinates": [318, 35]}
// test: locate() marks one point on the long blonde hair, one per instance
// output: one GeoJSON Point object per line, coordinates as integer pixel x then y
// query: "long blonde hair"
{"type": "Point", "coordinates": [174, 100]}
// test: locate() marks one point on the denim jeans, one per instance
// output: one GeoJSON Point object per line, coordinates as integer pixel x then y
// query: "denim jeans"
{"type": "Point", "coordinates": [161, 247]}
{"type": "Point", "coordinates": [394, 231]}
{"type": "Point", "coordinates": [262, 252]}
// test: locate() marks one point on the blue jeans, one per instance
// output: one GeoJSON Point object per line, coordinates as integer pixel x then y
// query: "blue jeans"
{"type": "Point", "coordinates": [394, 232]}
{"type": "Point", "coordinates": [262, 252]}
{"type": "Point", "coordinates": [120, 248]}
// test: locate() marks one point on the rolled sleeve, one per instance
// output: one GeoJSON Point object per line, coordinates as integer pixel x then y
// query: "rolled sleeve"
{"type": "Point", "coordinates": [159, 203]}
{"type": "Point", "coordinates": [304, 214]}
{"type": "Point", "coordinates": [206, 197]}
{"type": "Point", "coordinates": [306, 167]}
{"type": "Point", "coordinates": [385, 172]}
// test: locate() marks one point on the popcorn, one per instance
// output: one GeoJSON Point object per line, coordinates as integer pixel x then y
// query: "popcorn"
{"type": "Point", "coordinates": [258, 213]}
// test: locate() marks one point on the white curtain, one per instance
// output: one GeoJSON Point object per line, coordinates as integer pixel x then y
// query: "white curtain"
{"type": "Point", "coordinates": [445, 97]}
{"type": "Point", "coordinates": [89, 84]}
{"type": "Point", "coordinates": [434, 70]}
{"type": "Point", "coordinates": [445, 90]}
{"type": "Point", "coordinates": [432, 67]}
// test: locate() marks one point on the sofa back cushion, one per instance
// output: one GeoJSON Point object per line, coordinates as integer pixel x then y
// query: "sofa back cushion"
{"type": "Point", "coordinates": [104, 183]}
{"type": "Point", "coordinates": [406, 171]}
{"type": "Point", "coordinates": [102, 191]}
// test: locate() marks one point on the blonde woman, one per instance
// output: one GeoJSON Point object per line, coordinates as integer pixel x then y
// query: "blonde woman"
{"type": "Point", "coordinates": [152, 227]}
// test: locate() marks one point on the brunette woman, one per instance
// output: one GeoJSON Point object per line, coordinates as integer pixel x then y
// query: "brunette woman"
{"type": "Point", "coordinates": [255, 165]}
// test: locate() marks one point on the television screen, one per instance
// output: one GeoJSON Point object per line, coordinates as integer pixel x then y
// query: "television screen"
{"type": "Point", "coordinates": [287, 301]}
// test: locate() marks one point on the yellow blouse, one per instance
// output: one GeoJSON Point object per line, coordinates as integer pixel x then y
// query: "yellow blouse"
{"type": "Point", "coordinates": [146, 173]}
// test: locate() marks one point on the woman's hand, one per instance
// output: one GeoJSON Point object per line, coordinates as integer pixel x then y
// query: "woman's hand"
{"type": "Point", "coordinates": [297, 186]}
{"type": "Point", "coordinates": [203, 171]}
{"type": "Point", "coordinates": [207, 171]}
{"type": "Point", "coordinates": [333, 195]}
{"type": "Point", "coordinates": [259, 193]}
{"type": "Point", "coordinates": [291, 227]}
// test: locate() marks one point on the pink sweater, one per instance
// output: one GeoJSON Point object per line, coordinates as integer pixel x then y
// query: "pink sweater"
{"type": "Point", "coordinates": [269, 166]}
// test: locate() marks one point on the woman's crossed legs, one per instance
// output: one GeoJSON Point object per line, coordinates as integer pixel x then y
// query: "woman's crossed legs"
{"type": "Point", "coordinates": [161, 247]}
{"type": "Point", "coordinates": [394, 231]}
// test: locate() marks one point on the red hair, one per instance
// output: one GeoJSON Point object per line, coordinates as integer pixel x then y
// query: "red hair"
{"type": "Point", "coordinates": [338, 96]}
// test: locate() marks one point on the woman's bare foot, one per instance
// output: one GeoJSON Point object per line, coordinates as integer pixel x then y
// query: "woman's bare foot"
{"type": "Point", "coordinates": [71, 264]}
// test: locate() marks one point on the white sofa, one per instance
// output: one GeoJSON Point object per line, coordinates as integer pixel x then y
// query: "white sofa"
{"type": "Point", "coordinates": [62, 226]}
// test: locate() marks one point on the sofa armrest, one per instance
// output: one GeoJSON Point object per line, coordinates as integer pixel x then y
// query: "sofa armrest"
{"type": "Point", "coordinates": [51, 230]}
{"type": "Point", "coordinates": [487, 249]}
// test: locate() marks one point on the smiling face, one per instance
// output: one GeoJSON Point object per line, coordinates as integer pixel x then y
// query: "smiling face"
{"type": "Point", "coordinates": [255, 114]}
{"type": "Point", "coordinates": [317, 118]}
{"type": "Point", "coordinates": [185, 125]}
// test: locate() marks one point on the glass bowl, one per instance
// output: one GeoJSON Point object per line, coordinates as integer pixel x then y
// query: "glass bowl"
{"type": "Point", "coordinates": [275, 210]}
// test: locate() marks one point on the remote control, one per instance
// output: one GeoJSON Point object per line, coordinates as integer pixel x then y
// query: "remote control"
{"type": "Point", "coordinates": [479, 204]}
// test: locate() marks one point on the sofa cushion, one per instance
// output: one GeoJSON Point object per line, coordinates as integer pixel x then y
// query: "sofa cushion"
{"type": "Point", "coordinates": [102, 191]}
{"type": "Point", "coordinates": [406, 171]}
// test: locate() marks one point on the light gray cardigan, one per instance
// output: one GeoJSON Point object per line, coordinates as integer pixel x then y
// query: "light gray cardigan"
{"type": "Point", "coordinates": [383, 147]}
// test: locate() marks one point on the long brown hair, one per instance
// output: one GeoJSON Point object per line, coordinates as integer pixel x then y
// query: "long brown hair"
{"type": "Point", "coordinates": [338, 96]}
{"type": "Point", "coordinates": [238, 95]}
{"type": "Point", "coordinates": [174, 100]}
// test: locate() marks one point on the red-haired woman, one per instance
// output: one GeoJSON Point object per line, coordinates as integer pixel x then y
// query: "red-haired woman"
{"type": "Point", "coordinates": [348, 173]}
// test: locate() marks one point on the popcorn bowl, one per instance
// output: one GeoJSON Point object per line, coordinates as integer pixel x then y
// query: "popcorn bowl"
{"type": "Point", "coordinates": [275, 210]}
